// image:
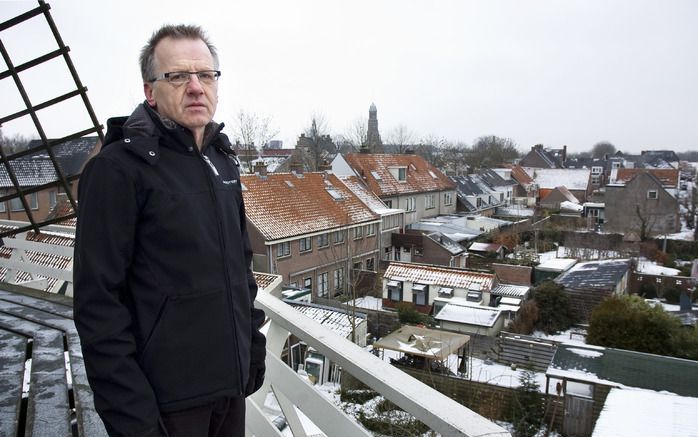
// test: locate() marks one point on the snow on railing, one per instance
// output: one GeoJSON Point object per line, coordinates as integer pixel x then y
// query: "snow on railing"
{"type": "Point", "coordinates": [437, 411]}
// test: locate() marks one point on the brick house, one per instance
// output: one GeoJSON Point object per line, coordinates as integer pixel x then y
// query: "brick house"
{"type": "Point", "coordinates": [641, 206]}
{"type": "Point", "coordinates": [401, 181]}
{"type": "Point", "coordinates": [312, 230]}
{"type": "Point", "coordinates": [577, 181]}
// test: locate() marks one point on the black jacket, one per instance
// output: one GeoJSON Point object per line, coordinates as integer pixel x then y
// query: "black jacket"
{"type": "Point", "coordinates": [163, 284]}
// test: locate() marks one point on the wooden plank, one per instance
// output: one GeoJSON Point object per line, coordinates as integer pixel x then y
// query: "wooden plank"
{"type": "Point", "coordinates": [12, 358]}
{"type": "Point", "coordinates": [88, 421]}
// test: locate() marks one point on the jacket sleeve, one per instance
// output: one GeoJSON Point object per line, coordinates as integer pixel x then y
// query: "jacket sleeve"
{"type": "Point", "coordinates": [107, 219]}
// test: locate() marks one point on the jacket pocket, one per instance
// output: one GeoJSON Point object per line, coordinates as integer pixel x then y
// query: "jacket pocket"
{"type": "Point", "coordinates": [190, 352]}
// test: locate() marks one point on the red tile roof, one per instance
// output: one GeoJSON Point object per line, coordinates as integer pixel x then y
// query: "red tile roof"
{"type": "Point", "coordinates": [283, 205]}
{"type": "Point", "coordinates": [520, 175]}
{"type": "Point", "coordinates": [668, 177]}
{"type": "Point", "coordinates": [422, 177]}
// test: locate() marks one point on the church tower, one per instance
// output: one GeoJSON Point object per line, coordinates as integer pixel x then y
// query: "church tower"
{"type": "Point", "coordinates": [373, 137]}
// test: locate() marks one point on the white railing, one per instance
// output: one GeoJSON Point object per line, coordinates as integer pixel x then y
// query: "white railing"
{"type": "Point", "coordinates": [437, 411]}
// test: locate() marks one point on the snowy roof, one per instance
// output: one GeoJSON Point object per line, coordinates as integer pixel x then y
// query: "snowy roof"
{"type": "Point", "coordinates": [514, 211]}
{"type": "Point", "coordinates": [556, 264]}
{"type": "Point", "coordinates": [430, 343]}
{"type": "Point", "coordinates": [419, 173]}
{"type": "Point", "coordinates": [443, 276]}
{"type": "Point", "coordinates": [573, 179]}
{"type": "Point", "coordinates": [29, 172]}
{"type": "Point", "coordinates": [520, 291]}
{"type": "Point", "coordinates": [367, 302]}
{"type": "Point", "coordinates": [651, 268]}
{"type": "Point", "coordinates": [494, 179]}
{"type": "Point", "coordinates": [332, 318]}
{"type": "Point", "coordinates": [367, 197]}
{"type": "Point", "coordinates": [484, 247]}
{"type": "Point", "coordinates": [469, 315]}
{"type": "Point", "coordinates": [630, 413]}
{"type": "Point", "coordinates": [283, 205]}
{"type": "Point", "coordinates": [625, 368]}
{"type": "Point", "coordinates": [571, 206]}
{"type": "Point", "coordinates": [447, 243]}
{"type": "Point", "coordinates": [595, 274]}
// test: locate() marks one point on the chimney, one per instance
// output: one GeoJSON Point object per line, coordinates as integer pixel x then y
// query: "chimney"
{"type": "Point", "coordinates": [260, 168]}
{"type": "Point", "coordinates": [296, 167]}
{"type": "Point", "coordinates": [564, 153]}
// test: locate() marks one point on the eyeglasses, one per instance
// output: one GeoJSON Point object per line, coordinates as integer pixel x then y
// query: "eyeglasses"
{"type": "Point", "coordinates": [207, 77]}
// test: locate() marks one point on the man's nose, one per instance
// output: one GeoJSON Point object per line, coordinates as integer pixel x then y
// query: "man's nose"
{"type": "Point", "coordinates": [194, 86]}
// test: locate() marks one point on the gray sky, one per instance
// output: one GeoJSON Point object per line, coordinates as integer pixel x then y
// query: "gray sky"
{"type": "Point", "coordinates": [551, 72]}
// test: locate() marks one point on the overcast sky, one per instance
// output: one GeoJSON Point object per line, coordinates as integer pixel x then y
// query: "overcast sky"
{"type": "Point", "coordinates": [550, 72]}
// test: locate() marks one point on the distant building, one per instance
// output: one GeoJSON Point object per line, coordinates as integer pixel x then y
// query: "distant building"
{"type": "Point", "coordinates": [373, 136]}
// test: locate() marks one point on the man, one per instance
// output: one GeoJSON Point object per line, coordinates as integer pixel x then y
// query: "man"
{"type": "Point", "coordinates": [163, 284]}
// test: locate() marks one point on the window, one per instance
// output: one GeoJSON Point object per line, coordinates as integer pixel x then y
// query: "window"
{"type": "Point", "coordinates": [283, 249]}
{"type": "Point", "coordinates": [479, 202]}
{"type": "Point", "coordinates": [418, 251]}
{"type": "Point", "coordinates": [370, 264]}
{"type": "Point", "coordinates": [402, 174]}
{"type": "Point", "coordinates": [3, 207]}
{"type": "Point", "coordinates": [32, 199]}
{"type": "Point", "coordinates": [323, 240]}
{"type": "Point", "coordinates": [306, 244]}
{"type": "Point", "coordinates": [596, 170]}
{"type": "Point", "coordinates": [652, 194]}
{"type": "Point", "coordinates": [429, 202]}
{"type": "Point", "coordinates": [358, 232]}
{"type": "Point", "coordinates": [339, 280]}
{"type": "Point", "coordinates": [388, 203]}
{"type": "Point", "coordinates": [395, 291]}
{"type": "Point", "coordinates": [448, 198]}
{"type": "Point", "coordinates": [615, 164]}
{"type": "Point", "coordinates": [357, 265]}
{"type": "Point", "coordinates": [388, 253]}
{"type": "Point", "coordinates": [371, 229]}
{"type": "Point", "coordinates": [339, 237]}
{"type": "Point", "coordinates": [419, 294]}
{"type": "Point", "coordinates": [322, 284]}
{"type": "Point", "coordinates": [595, 179]}
{"type": "Point", "coordinates": [501, 197]}
{"type": "Point", "coordinates": [678, 282]}
{"type": "Point", "coordinates": [411, 204]}
{"type": "Point", "coordinates": [52, 198]}
{"type": "Point", "coordinates": [308, 283]}
{"type": "Point", "coordinates": [659, 280]}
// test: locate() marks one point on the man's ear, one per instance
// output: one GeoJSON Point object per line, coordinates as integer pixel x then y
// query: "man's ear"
{"type": "Point", "coordinates": [148, 91]}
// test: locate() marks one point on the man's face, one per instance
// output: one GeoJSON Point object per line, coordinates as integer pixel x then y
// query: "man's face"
{"type": "Point", "coordinates": [193, 104]}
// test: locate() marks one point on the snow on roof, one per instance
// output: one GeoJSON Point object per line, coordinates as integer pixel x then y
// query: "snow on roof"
{"type": "Point", "coordinates": [520, 291]}
{"type": "Point", "coordinates": [485, 247]}
{"type": "Point", "coordinates": [447, 243]}
{"type": "Point", "coordinates": [595, 274]}
{"type": "Point", "coordinates": [367, 197]}
{"type": "Point", "coordinates": [336, 320]}
{"type": "Point", "coordinates": [651, 268]}
{"type": "Point", "coordinates": [443, 276]}
{"type": "Point", "coordinates": [367, 302]}
{"type": "Point", "coordinates": [557, 264]}
{"type": "Point", "coordinates": [430, 343]}
{"type": "Point", "coordinates": [570, 206]}
{"type": "Point", "coordinates": [630, 413]}
{"type": "Point", "coordinates": [418, 178]}
{"type": "Point", "coordinates": [470, 315]}
{"type": "Point", "coordinates": [283, 205]}
{"type": "Point", "coordinates": [573, 179]}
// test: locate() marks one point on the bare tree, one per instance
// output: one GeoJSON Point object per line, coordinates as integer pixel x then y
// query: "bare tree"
{"type": "Point", "coordinates": [357, 132]}
{"type": "Point", "coordinates": [401, 137]}
{"type": "Point", "coordinates": [602, 148]}
{"type": "Point", "coordinates": [14, 143]}
{"type": "Point", "coordinates": [452, 159]}
{"type": "Point", "coordinates": [492, 151]}
{"type": "Point", "coordinates": [252, 131]}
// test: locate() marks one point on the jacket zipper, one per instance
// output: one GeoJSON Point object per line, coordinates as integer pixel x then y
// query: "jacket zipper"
{"type": "Point", "coordinates": [209, 178]}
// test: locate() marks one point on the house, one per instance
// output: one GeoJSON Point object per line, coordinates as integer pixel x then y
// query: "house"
{"type": "Point", "coordinates": [428, 247]}
{"type": "Point", "coordinates": [392, 219]}
{"type": "Point", "coordinates": [588, 283]}
{"type": "Point", "coordinates": [556, 197]}
{"type": "Point", "coordinates": [595, 212]}
{"type": "Point", "coordinates": [471, 319]}
{"type": "Point", "coordinates": [460, 228]}
{"type": "Point", "coordinates": [540, 157]}
{"type": "Point", "coordinates": [647, 275]}
{"type": "Point", "coordinates": [597, 167]}
{"type": "Point", "coordinates": [552, 268]}
{"type": "Point", "coordinates": [577, 181]}
{"type": "Point", "coordinates": [431, 287]}
{"type": "Point", "coordinates": [526, 189]}
{"type": "Point", "coordinates": [503, 186]}
{"type": "Point", "coordinates": [36, 173]}
{"type": "Point", "coordinates": [586, 375]}
{"type": "Point", "coordinates": [670, 178]}
{"type": "Point", "coordinates": [642, 207]}
{"type": "Point", "coordinates": [401, 181]}
{"type": "Point", "coordinates": [475, 196]}
{"type": "Point", "coordinates": [312, 230]}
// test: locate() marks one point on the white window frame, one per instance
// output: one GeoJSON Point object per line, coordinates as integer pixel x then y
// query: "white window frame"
{"type": "Point", "coordinates": [283, 249]}
{"type": "Point", "coordinates": [339, 236]}
{"type": "Point", "coordinates": [323, 240]}
{"type": "Point", "coordinates": [339, 279]}
{"type": "Point", "coordinates": [448, 198]}
{"type": "Point", "coordinates": [370, 229]}
{"type": "Point", "coordinates": [429, 201]}
{"type": "Point", "coordinates": [358, 232]}
{"type": "Point", "coordinates": [322, 284]}
{"type": "Point", "coordinates": [305, 245]}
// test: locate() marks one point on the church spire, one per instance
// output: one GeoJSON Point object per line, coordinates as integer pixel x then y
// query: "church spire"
{"type": "Point", "coordinates": [373, 137]}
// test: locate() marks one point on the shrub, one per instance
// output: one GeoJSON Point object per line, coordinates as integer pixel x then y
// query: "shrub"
{"type": "Point", "coordinates": [671, 295]}
{"type": "Point", "coordinates": [526, 319]}
{"type": "Point", "coordinates": [648, 291]}
{"type": "Point", "coordinates": [407, 313]}
{"type": "Point", "coordinates": [554, 310]}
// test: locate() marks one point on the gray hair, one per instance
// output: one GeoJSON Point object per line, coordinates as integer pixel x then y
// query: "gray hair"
{"type": "Point", "coordinates": [179, 31]}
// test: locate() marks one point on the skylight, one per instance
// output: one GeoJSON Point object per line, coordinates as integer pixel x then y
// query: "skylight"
{"type": "Point", "coordinates": [290, 184]}
{"type": "Point", "coordinates": [433, 175]}
{"type": "Point", "coordinates": [376, 175]}
{"type": "Point", "coordinates": [336, 195]}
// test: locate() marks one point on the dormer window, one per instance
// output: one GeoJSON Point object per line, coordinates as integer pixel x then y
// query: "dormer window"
{"type": "Point", "coordinates": [399, 173]}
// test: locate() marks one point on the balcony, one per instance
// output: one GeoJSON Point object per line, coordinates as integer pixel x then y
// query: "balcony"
{"type": "Point", "coordinates": [38, 325]}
